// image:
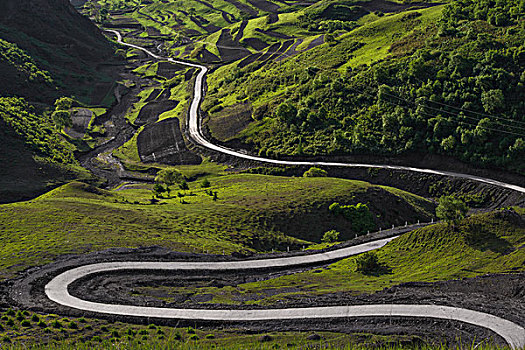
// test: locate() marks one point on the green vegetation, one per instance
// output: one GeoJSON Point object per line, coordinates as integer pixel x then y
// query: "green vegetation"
{"type": "Point", "coordinates": [315, 172]}
{"type": "Point", "coordinates": [14, 59]}
{"type": "Point", "coordinates": [36, 130]}
{"type": "Point", "coordinates": [245, 213]}
{"type": "Point", "coordinates": [368, 264]}
{"type": "Point", "coordinates": [451, 209]}
{"type": "Point", "coordinates": [331, 236]}
{"type": "Point", "coordinates": [82, 333]}
{"type": "Point", "coordinates": [443, 80]}
{"type": "Point", "coordinates": [477, 245]}
{"type": "Point", "coordinates": [358, 215]}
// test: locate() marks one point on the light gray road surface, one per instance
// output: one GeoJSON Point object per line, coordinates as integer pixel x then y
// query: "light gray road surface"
{"type": "Point", "coordinates": [57, 288]}
{"type": "Point", "coordinates": [57, 291]}
{"type": "Point", "coordinates": [197, 136]}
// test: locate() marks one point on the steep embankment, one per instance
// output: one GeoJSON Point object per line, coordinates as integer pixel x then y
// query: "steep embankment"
{"type": "Point", "coordinates": [57, 39]}
{"type": "Point", "coordinates": [242, 217]}
{"type": "Point", "coordinates": [47, 50]}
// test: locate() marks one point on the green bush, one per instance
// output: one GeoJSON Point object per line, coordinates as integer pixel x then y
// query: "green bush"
{"type": "Point", "coordinates": [330, 236]}
{"type": "Point", "coordinates": [451, 209]}
{"type": "Point", "coordinates": [358, 215]}
{"type": "Point", "coordinates": [368, 263]}
{"type": "Point", "coordinates": [315, 172]}
{"type": "Point", "coordinates": [10, 312]}
{"type": "Point", "coordinates": [205, 183]}
{"type": "Point", "coordinates": [25, 323]}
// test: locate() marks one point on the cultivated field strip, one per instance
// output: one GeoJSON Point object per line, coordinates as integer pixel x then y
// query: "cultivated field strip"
{"type": "Point", "coordinates": [57, 288]}
{"type": "Point", "coordinates": [197, 136]}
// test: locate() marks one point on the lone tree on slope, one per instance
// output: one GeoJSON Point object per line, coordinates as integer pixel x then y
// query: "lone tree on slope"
{"type": "Point", "coordinates": [451, 209]}
{"type": "Point", "coordinates": [170, 177]}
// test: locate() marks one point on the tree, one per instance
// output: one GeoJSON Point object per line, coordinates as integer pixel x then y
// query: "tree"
{"type": "Point", "coordinates": [451, 209]}
{"type": "Point", "coordinates": [170, 177]}
{"type": "Point", "coordinates": [286, 113]}
{"type": "Point", "coordinates": [62, 119]}
{"type": "Point", "coordinates": [63, 104]}
{"type": "Point", "coordinates": [158, 190]}
{"type": "Point", "coordinates": [315, 172]}
{"type": "Point", "coordinates": [330, 236]}
{"type": "Point", "coordinates": [492, 100]}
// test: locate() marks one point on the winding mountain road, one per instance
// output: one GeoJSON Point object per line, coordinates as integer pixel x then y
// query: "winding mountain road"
{"type": "Point", "coordinates": [57, 288]}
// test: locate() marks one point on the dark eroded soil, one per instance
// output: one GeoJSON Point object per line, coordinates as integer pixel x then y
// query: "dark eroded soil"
{"type": "Point", "coordinates": [162, 142]}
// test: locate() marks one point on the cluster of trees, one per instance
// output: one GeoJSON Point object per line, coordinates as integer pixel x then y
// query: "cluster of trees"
{"type": "Point", "coordinates": [359, 216]}
{"type": "Point", "coordinates": [12, 55]}
{"type": "Point", "coordinates": [460, 92]}
{"type": "Point", "coordinates": [329, 16]}
{"type": "Point", "coordinates": [36, 130]}
{"type": "Point", "coordinates": [166, 178]}
{"type": "Point", "coordinates": [62, 114]}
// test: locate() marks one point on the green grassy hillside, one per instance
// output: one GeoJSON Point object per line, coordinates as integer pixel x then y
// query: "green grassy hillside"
{"type": "Point", "coordinates": [481, 244]}
{"type": "Point", "coordinates": [444, 80]}
{"type": "Point", "coordinates": [32, 331]}
{"type": "Point", "coordinates": [251, 213]}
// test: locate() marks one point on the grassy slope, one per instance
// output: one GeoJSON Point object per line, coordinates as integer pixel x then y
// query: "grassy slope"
{"type": "Point", "coordinates": [55, 332]}
{"type": "Point", "coordinates": [484, 243]}
{"type": "Point", "coordinates": [376, 35]}
{"type": "Point", "coordinates": [253, 212]}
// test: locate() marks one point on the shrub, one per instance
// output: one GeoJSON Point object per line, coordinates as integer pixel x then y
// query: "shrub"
{"type": "Point", "coordinates": [315, 172]}
{"type": "Point", "coordinates": [194, 337]}
{"type": "Point", "coordinates": [115, 334]}
{"type": "Point", "coordinates": [25, 323]}
{"type": "Point", "coordinates": [190, 330]}
{"type": "Point", "coordinates": [368, 263]}
{"type": "Point", "coordinates": [6, 339]}
{"type": "Point", "coordinates": [35, 318]}
{"type": "Point", "coordinates": [144, 332]}
{"type": "Point", "coordinates": [359, 215]}
{"type": "Point", "coordinates": [10, 312]}
{"type": "Point", "coordinates": [210, 336]}
{"type": "Point", "coordinates": [451, 209]}
{"type": "Point", "coordinates": [20, 316]}
{"type": "Point", "coordinates": [10, 322]}
{"type": "Point", "coordinates": [56, 324]}
{"type": "Point", "coordinates": [330, 236]}
{"type": "Point", "coordinates": [42, 324]}
{"type": "Point", "coordinates": [205, 183]}
{"type": "Point", "coordinates": [177, 336]}
{"type": "Point", "coordinates": [73, 325]}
